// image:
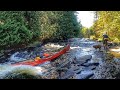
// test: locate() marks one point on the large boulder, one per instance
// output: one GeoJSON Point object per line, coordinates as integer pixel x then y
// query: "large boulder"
{"type": "Point", "coordinates": [83, 59]}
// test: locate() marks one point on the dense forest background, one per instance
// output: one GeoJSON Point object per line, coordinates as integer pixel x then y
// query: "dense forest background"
{"type": "Point", "coordinates": [24, 27]}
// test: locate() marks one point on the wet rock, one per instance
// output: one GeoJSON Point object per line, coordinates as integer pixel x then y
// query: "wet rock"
{"type": "Point", "coordinates": [83, 59]}
{"type": "Point", "coordinates": [96, 60]}
{"type": "Point", "coordinates": [84, 74]}
{"type": "Point", "coordinates": [3, 59]}
{"type": "Point", "coordinates": [117, 76]}
{"type": "Point", "coordinates": [52, 75]}
{"type": "Point", "coordinates": [117, 64]}
{"type": "Point", "coordinates": [77, 69]}
{"type": "Point", "coordinates": [68, 74]}
{"type": "Point", "coordinates": [91, 68]}
{"type": "Point", "coordinates": [46, 65]}
{"type": "Point", "coordinates": [105, 71]}
{"type": "Point", "coordinates": [92, 77]}
{"type": "Point", "coordinates": [109, 56]}
{"type": "Point", "coordinates": [90, 64]}
{"type": "Point", "coordinates": [29, 49]}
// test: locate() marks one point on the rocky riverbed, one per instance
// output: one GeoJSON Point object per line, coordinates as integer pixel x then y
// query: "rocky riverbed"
{"type": "Point", "coordinates": [82, 61]}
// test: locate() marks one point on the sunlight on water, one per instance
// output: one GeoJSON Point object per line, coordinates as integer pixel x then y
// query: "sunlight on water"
{"type": "Point", "coordinates": [86, 49]}
{"type": "Point", "coordinates": [115, 52]}
{"type": "Point", "coordinates": [14, 58]}
{"type": "Point", "coordinates": [86, 72]}
{"type": "Point", "coordinates": [75, 47]}
{"type": "Point", "coordinates": [54, 46]}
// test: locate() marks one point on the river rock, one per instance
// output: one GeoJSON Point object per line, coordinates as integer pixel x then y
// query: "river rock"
{"type": "Point", "coordinates": [90, 64]}
{"type": "Point", "coordinates": [84, 74]}
{"type": "Point", "coordinates": [46, 65]}
{"type": "Point", "coordinates": [77, 69]}
{"type": "Point", "coordinates": [7, 51]}
{"type": "Point", "coordinates": [68, 74]}
{"type": "Point", "coordinates": [90, 67]}
{"type": "Point", "coordinates": [3, 59]}
{"type": "Point", "coordinates": [83, 59]}
{"type": "Point", "coordinates": [105, 71]}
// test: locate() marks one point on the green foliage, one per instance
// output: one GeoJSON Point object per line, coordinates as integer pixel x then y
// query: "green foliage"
{"type": "Point", "coordinates": [58, 25]}
{"type": "Point", "coordinates": [18, 27]}
{"type": "Point", "coordinates": [32, 18]}
{"type": "Point", "coordinates": [116, 40]}
{"type": "Point", "coordinates": [92, 37]}
{"type": "Point", "coordinates": [86, 32]}
{"type": "Point", "coordinates": [108, 21]}
{"type": "Point", "coordinates": [12, 23]}
{"type": "Point", "coordinates": [100, 39]}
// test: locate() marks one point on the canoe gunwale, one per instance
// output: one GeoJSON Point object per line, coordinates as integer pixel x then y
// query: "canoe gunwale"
{"type": "Point", "coordinates": [54, 56]}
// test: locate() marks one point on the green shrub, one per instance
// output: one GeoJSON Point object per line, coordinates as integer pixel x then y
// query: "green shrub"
{"type": "Point", "coordinates": [17, 27]}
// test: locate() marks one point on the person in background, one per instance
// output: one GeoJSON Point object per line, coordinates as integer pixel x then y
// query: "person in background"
{"type": "Point", "coordinates": [105, 40]}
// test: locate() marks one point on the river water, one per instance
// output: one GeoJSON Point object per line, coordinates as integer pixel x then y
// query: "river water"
{"type": "Point", "coordinates": [78, 48]}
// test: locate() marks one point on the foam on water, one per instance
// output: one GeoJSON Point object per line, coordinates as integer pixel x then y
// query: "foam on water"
{"type": "Point", "coordinates": [77, 47]}
{"type": "Point", "coordinates": [7, 69]}
{"type": "Point", "coordinates": [17, 59]}
{"type": "Point", "coordinates": [54, 46]}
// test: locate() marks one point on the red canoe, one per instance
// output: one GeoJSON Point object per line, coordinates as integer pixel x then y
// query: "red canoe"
{"type": "Point", "coordinates": [35, 63]}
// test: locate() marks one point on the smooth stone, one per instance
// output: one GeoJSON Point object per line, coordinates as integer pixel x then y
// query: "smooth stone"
{"type": "Point", "coordinates": [90, 64]}
{"type": "Point", "coordinates": [90, 68]}
{"type": "Point", "coordinates": [77, 69]}
{"type": "Point", "coordinates": [83, 59]}
{"type": "Point", "coordinates": [84, 74]}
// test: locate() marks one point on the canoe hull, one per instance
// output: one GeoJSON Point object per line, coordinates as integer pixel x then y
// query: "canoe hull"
{"type": "Point", "coordinates": [35, 63]}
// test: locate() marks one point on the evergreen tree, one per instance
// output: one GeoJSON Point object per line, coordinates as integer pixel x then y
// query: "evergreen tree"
{"type": "Point", "coordinates": [59, 25]}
